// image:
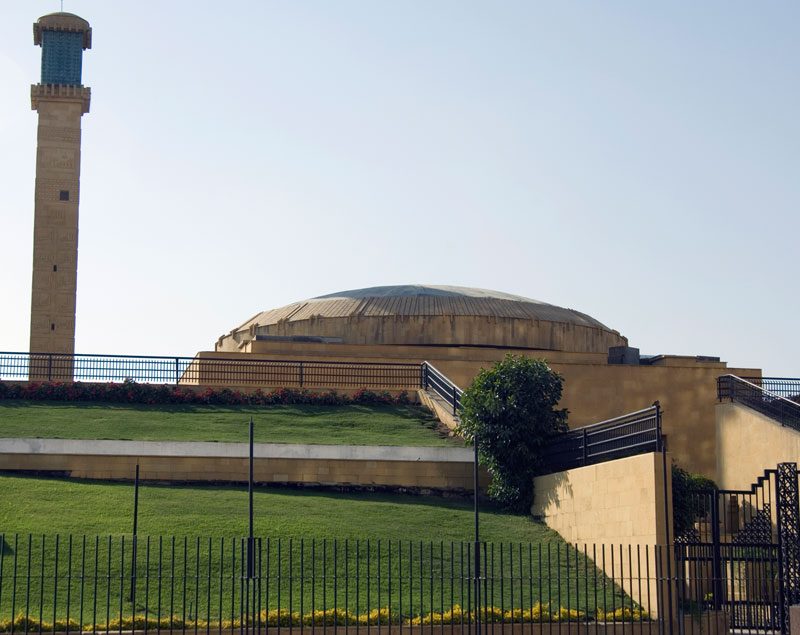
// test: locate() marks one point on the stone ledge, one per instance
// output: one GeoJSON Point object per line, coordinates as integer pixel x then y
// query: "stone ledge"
{"type": "Point", "coordinates": [235, 450]}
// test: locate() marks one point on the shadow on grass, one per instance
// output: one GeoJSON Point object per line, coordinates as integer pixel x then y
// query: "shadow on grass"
{"type": "Point", "coordinates": [460, 502]}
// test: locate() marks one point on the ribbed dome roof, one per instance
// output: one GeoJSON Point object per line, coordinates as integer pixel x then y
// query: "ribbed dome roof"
{"type": "Point", "coordinates": [419, 300]}
{"type": "Point", "coordinates": [427, 315]}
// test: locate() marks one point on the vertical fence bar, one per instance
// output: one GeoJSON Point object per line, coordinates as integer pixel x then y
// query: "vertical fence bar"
{"type": "Point", "coordinates": [28, 582]}
{"type": "Point", "coordinates": [13, 614]}
{"type": "Point", "coordinates": [121, 580]}
{"type": "Point", "coordinates": [716, 549]}
{"type": "Point", "coordinates": [146, 585]}
{"type": "Point", "coordinates": [69, 581]}
{"type": "Point", "coordinates": [41, 586]}
{"type": "Point", "coordinates": [185, 576]}
{"type": "Point", "coordinates": [2, 559]}
{"type": "Point", "coordinates": [585, 447]}
{"type": "Point", "coordinates": [196, 582]}
{"type": "Point", "coordinates": [55, 581]}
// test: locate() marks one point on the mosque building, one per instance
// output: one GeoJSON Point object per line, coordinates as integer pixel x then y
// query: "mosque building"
{"type": "Point", "coordinates": [461, 330]}
{"type": "Point", "coordinates": [458, 330]}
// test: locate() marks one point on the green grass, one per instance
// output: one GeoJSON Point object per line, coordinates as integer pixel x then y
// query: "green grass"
{"type": "Point", "coordinates": [312, 542]}
{"type": "Point", "coordinates": [346, 425]}
{"type": "Point", "coordinates": [36, 505]}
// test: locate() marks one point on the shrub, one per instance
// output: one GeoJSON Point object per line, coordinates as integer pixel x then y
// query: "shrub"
{"type": "Point", "coordinates": [689, 496]}
{"type": "Point", "coordinates": [511, 408]}
{"type": "Point", "coordinates": [130, 392]}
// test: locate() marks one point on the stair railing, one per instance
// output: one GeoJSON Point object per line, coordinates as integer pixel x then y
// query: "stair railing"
{"type": "Point", "coordinates": [435, 380]}
{"type": "Point", "coordinates": [783, 409]}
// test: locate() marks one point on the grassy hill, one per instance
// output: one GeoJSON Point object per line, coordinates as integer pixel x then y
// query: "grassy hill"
{"type": "Point", "coordinates": [319, 550]}
{"type": "Point", "coordinates": [348, 425]}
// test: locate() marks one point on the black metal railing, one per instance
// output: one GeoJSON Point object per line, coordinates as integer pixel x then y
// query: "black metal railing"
{"type": "Point", "coordinates": [775, 397]}
{"type": "Point", "coordinates": [634, 433]}
{"type": "Point", "coordinates": [208, 371]}
{"type": "Point", "coordinates": [432, 379]}
{"type": "Point", "coordinates": [116, 584]}
{"type": "Point", "coordinates": [746, 540]}
{"type": "Point", "coordinates": [786, 387]}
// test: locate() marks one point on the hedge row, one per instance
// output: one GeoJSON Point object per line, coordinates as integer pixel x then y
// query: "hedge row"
{"type": "Point", "coordinates": [130, 392]}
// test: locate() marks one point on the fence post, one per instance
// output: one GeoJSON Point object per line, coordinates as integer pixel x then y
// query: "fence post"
{"type": "Point", "coordinates": [786, 499]}
{"type": "Point", "coordinates": [659, 439]}
{"type": "Point", "coordinates": [177, 377]}
{"type": "Point", "coordinates": [455, 397]}
{"type": "Point", "coordinates": [716, 556]}
{"type": "Point", "coordinates": [301, 374]}
{"type": "Point", "coordinates": [585, 448]}
{"type": "Point", "coordinates": [49, 367]}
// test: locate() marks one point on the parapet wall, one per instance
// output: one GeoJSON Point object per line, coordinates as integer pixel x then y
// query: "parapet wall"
{"type": "Point", "coordinates": [625, 504]}
{"type": "Point", "coordinates": [594, 390]}
{"type": "Point", "coordinates": [328, 465]}
{"type": "Point", "coordinates": [748, 443]}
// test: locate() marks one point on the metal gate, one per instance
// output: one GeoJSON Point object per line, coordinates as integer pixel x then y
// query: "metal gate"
{"type": "Point", "coordinates": [743, 553]}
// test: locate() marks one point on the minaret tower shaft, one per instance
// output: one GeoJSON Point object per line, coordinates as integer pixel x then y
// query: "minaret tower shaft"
{"type": "Point", "coordinates": [61, 100]}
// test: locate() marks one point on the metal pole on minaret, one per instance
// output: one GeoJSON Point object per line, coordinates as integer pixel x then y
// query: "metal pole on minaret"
{"type": "Point", "coordinates": [61, 100]}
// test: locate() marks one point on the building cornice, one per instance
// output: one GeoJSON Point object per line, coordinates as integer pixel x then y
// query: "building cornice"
{"type": "Point", "coordinates": [61, 92]}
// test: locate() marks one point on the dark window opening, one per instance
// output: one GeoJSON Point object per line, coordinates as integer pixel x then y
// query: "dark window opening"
{"type": "Point", "coordinates": [63, 195]}
{"type": "Point", "coordinates": [55, 267]}
{"type": "Point", "coordinates": [52, 327]}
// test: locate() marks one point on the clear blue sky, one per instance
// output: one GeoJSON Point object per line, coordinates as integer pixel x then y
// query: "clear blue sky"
{"type": "Point", "coordinates": [636, 161]}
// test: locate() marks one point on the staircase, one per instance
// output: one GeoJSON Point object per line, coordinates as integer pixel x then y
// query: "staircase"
{"type": "Point", "coordinates": [776, 397]}
{"type": "Point", "coordinates": [441, 395]}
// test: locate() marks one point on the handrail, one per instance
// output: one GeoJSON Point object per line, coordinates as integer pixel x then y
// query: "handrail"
{"type": "Point", "coordinates": [772, 404]}
{"type": "Point", "coordinates": [66, 367]}
{"type": "Point", "coordinates": [435, 380]}
{"type": "Point", "coordinates": [627, 435]}
{"type": "Point", "coordinates": [767, 392]}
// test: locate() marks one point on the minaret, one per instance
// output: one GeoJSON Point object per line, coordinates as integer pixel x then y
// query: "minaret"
{"type": "Point", "coordinates": [61, 101]}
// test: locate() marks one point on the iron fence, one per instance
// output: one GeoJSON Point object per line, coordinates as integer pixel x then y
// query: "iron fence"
{"type": "Point", "coordinates": [786, 387]}
{"type": "Point", "coordinates": [434, 380]}
{"type": "Point", "coordinates": [745, 541]}
{"type": "Point", "coordinates": [634, 433]}
{"type": "Point", "coordinates": [115, 584]}
{"type": "Point", "coordinates": [777, 398]}
{"type": "Point", "coordinates": [207, 371]}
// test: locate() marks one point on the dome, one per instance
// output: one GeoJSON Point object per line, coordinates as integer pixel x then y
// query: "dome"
{"type": "Point", "coordinates": [428, 315]}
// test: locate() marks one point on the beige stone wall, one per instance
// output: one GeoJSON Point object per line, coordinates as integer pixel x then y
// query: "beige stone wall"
{"type": "Point", "coordinates": [621, 504]}
{"type": "Point", "coordinates": [593, 389]}
{"type": "Point", "coordinates": [749, 443]}
{"type": "Point", "coordinates": [443, 330]}
{"type": "Point", "coordinates": [55, 242]}
{"type": "Point", "coordinates": [416, 474]}
{"type": "Point", "coordinates": [440, 408]}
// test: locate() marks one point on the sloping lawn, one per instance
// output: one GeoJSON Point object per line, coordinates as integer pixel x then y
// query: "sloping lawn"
{"type": "Point", "coordinates": [316, 550]}
{"type": "Point", "coordinates": [346, 425]}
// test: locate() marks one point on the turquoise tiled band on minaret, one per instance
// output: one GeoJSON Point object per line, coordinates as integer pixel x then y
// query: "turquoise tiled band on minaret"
{"type": "Point", "coordinates": [62, 53]}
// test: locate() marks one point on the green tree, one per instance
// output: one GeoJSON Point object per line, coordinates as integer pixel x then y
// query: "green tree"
{"type": "Point", "coordinates": [512, 410]}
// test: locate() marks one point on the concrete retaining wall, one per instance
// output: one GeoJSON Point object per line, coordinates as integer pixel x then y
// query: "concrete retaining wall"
{"type": "Point", "coordinates": [749, 443]}
{"type": "Point", "coordinates": [413, 467]}
{"type": "Point", "coordinates": [620, 504]}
